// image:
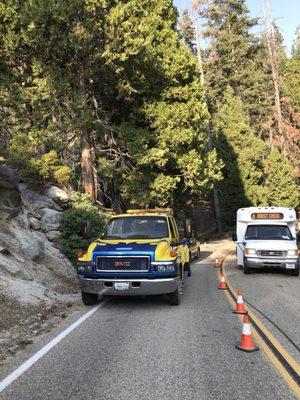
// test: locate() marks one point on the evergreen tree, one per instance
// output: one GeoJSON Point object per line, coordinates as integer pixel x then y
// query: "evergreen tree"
{"type": "Point", "coordinates": [296, 44]}
{"type": "Point", "coordinates": [163, 100]}
{"type": "Point", "coordinates": [236, 58]}
{"type": "Point", "coordinates": [67, 42]}
{"type": "Point", "coordinates": [291, 81]}
{"type": "Point", "coordinates": [186, 30]}
{"type": "Point", "coordinates": [290, 86]}
{"type": "Point", "coordinates": [249, 178]}
{"type": "Point", "coordinates": [112, 87]}
{"type": "Point", "coordinates": [279, 181]}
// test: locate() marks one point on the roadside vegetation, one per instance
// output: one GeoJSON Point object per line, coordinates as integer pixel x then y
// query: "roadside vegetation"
{"type": "Point", "coordinates": [73, 221]}
{"type": "Point", "coordinates": [108, 98]}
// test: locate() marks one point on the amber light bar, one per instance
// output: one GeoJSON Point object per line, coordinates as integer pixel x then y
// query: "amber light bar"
{"type": "Point", "coordinates": [168, 211]}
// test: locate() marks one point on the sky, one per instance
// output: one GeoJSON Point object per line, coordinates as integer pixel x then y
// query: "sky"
{"type": "Point", "coordinates": [286, 13]}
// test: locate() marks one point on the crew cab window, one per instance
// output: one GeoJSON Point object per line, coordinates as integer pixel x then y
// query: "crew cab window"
{"type": "Point", "coordinates": [176, 233]}
{"type": "Point", "coordinates": [173, 234]}
{"type": "Point", "coordinates": [136, 227]}
{"type": "Point", "coordinates": [266, 232]}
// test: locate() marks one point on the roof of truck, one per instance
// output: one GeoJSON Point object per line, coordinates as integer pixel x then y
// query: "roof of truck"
{"type": "Point", "coordinates": [146, 212]}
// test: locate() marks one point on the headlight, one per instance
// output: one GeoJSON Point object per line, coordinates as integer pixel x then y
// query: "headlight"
{"type": "Point", "coordinates": [249, 252]}
{"type": "Point", "coordinates": [164, 266]}
{"type": "Point", "coordinates": [161, 268]}
{"type": "Point", "coordinates": [293, 252]}
{"type": "Point", "coordinates": [84, 267]}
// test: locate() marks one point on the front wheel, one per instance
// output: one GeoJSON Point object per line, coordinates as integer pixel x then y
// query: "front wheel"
{"type": "Point", "coordinates": [246, 269]}
{"type": "Point", "coordinates": [175, 297]}
{"type": "Point", "coordinates": [294, 272]}
{"type": "Point", "coordinates": [89, 299]}
{"type": "Point", "coordinates": [187, 268]}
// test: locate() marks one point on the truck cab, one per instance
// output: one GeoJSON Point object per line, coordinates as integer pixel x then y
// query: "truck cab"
{"type": "Point", "coordinates": [138, 253]}
{"type": "Point", "coordinates": [266, 238]}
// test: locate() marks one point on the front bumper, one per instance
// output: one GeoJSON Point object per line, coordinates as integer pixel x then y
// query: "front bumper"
{"type": "Point", "coordinates": [286, 263]}
{"type": "Point", "coordinates": [137, 287]}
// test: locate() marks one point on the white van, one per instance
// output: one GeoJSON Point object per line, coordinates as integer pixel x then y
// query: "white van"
{"type": "Point", "coordinates": [266, 238]}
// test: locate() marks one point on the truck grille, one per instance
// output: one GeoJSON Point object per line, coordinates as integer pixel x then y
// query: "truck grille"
{"type": "Point", "coordinates": [123, 263]}
{"type": "Point", "coordinates": [272, 253]}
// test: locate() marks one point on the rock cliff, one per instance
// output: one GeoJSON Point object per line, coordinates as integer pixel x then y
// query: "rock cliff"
{"type": "Point", "coordinates": [34, 275]}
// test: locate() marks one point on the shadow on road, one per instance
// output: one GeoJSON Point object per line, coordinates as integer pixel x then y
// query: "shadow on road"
{"type": "Point", "coordinates": [138, 301]}
{"type": "Point", "coordinates": [261, 271]}
{"type": "Point", "coordinates": [204, 255]}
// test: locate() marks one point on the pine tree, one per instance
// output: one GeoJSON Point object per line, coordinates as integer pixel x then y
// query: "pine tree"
{"type": "Point", "coordinates": [236, 58]}
{"type": "Point", "coordinates": [163, 99]}
{"type": "Point", "coordinates": [281, 187]}
{"type": "Point", "coordinates": [186, 30]}
{"type": "Point", "coordinates": [296, 44]}
{"type": "Point", "coordinates": [67, 40]}
{"type": "Point", "coordinates": [113, 88]}
{"type": "Point", "coordinates": [253, 173]}
{"type": "Point", "coordinates": [291, 81]}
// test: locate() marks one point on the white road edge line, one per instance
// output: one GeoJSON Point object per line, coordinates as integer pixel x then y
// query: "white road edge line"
{"type": "Point", "coordinates": [44, 350]}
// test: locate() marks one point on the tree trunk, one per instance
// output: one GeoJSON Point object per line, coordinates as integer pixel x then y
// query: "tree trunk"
{"type": "Point", "coordinates": [216, 201]}
{"type": "Point", "coordinates": [199, 57]}
{"type": "Point", "coordinates": [271, 44]}
{"type": "Point", "coordinates": [87, 165]}
{"type": "Point", "coordinates": [87, 170]}
{"type": "Point", "coordinates": [217, 207]}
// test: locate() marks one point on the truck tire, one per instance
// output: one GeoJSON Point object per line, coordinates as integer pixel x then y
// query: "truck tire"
{"type": "Point", "coordinates": [187, 267]}
{"type": "Point", "coordinates": [175, 297]}
{"type": "Point", "coordinates": [246, 269]}
{"type": "Point", "coordinates": [89, 299]}
{"type": "Point", "coordinates": [295, 272]}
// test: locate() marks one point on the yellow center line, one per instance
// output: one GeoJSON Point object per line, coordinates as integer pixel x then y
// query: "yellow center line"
{"type": "Point", "coordinates": [277, 364]}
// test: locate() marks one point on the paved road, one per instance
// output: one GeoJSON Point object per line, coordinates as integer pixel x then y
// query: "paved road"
{"type": "Point", "coordinates": [143, 349]}
{"type": "Point", "coordinates": [277, 296]}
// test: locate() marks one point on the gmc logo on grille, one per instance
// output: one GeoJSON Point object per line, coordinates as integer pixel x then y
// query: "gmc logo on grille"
{"type": "Point", "coordinates": [122, 264]}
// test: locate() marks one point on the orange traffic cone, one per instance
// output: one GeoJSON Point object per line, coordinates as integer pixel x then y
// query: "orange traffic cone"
{"type": "Point", "coordinates": [240, 307]}
{"type": "Point", "coordinates": [218, 263]}
{"type": "Point", "coordinates": [222, 284]}
{"type": "Point", "coordinates": [247, 343]}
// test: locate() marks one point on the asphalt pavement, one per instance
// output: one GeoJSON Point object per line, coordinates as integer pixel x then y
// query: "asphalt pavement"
{"type": "Point", "coordinates": [144, 349]}
{"type": "Point", "coordinates": [274, 297]}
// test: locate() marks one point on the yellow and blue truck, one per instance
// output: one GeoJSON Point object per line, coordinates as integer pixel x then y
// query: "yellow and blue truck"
{"type": "Point", "coordinates": [139, 253]}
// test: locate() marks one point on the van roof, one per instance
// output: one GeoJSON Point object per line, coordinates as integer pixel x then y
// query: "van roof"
{"type": "Point", "coordinates": [247, 214]}
{"type": "Point", "coordinates": [268, 208]}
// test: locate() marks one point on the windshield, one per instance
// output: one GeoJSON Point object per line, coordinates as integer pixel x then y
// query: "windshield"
{"type": "Point", "coordinates": [265, 232]}
{"type": "Point", "coordinates": [136, 228]}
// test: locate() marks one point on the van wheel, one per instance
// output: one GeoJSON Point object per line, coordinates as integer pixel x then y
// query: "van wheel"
{"type": "Point", "coordinates": [89, 299]}
{"type": "Point", "coordinates": [246, 270]}
{"type": "Point", "coordinates": [295, 272]}
{"type": "Point", "coordinates": [175, 297]}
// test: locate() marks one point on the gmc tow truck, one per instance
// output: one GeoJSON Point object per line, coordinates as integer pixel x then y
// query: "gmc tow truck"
{"type": "Point", "coordinates": [138, 253]}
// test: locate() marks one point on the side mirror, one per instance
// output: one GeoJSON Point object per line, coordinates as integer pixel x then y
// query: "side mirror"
{"type": "Point", "coordinates": [188, 228]}
{"type": "Point", "coordinates": [87, 230]}
{"type": "Point", "coordinates": [234, 236]}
